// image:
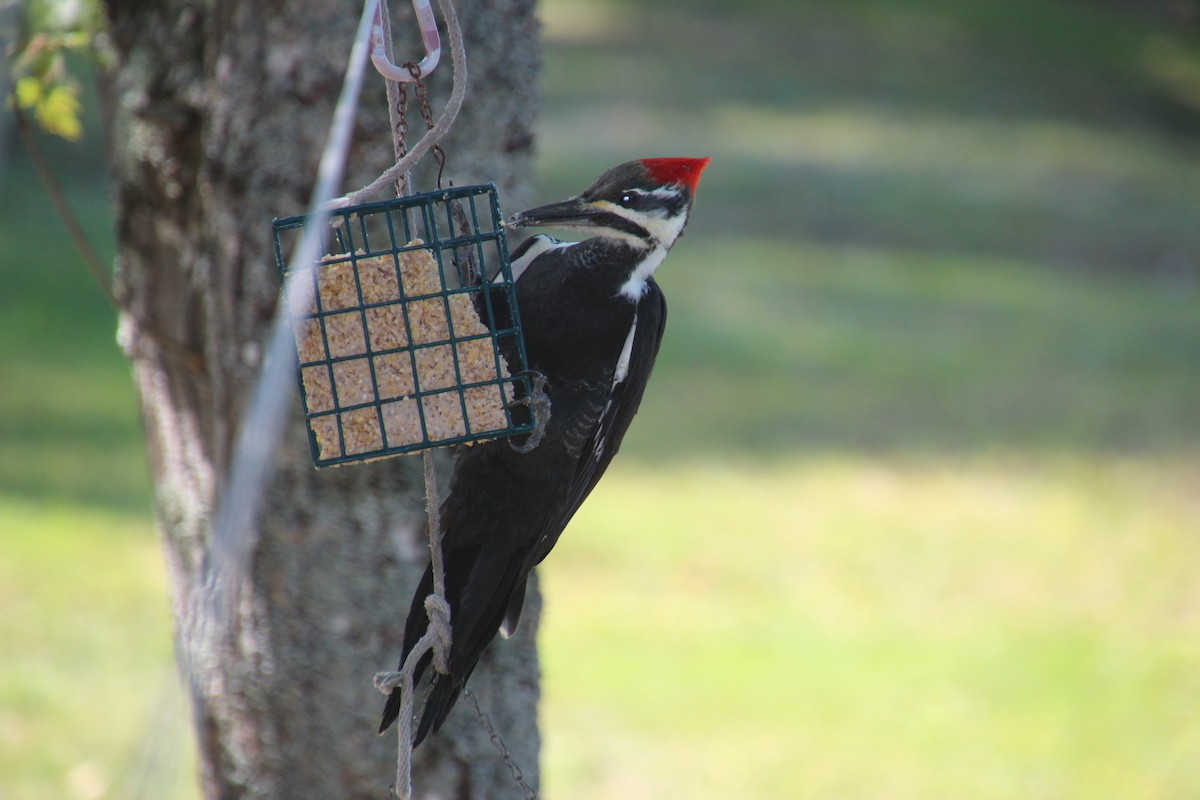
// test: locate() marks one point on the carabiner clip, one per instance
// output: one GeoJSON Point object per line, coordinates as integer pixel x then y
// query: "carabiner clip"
{"type": "Point", "coordinates": [429, 35]}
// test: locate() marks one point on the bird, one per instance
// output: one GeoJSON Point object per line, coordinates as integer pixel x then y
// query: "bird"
{"type": "Point", "coordinates": [592, 317]}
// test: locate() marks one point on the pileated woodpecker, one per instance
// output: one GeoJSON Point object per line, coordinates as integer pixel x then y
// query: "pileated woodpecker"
{"type": "Point", "coordinates": [593, 318]}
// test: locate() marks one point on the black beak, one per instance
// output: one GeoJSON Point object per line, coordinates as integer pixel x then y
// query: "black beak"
{"type": "Point", "coordinates": [573, 213]}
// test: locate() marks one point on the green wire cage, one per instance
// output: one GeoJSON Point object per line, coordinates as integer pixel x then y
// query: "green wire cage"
{"type": "Point", "coordinates": [413, 339]}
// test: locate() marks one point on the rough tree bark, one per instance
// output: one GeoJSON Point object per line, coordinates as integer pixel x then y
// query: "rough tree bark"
{"type": "Point", "coordinates": [216, 111]}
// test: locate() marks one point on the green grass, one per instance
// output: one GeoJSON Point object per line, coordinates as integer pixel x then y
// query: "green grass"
{"type": "Point", "coordinates": [780, 347]}
{"type": "Point", "coordinates": [68, 418]}
{"type": "Point", "coordinates": [1054, 133]}
{"type": "Point", "coordinates": [838, 626]}
{"type": "Point", "coordinates": [88, 696]}
{"type": "Point", "coordinates": [878, 628]}
{"type": "Point", "coordinates": [909, 510]}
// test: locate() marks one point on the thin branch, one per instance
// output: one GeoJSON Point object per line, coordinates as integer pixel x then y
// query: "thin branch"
{"type": "Point", "coordinates": [191, 359]}
{"type": "Point", "coordinates": [54, 189]}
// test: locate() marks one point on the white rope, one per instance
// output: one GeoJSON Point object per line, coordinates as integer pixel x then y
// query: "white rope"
{"type": "Point", "coordinates": [437, 638]}
{"type": "Point", "coordinates": [438, 635]}
{"type": "Point", "coordinates": [436, 607]}
{"type": "Point", "coordinates": [458, 61]}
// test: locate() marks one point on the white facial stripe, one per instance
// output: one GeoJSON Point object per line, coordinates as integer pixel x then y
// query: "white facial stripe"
{"type": "Point", "coordinates": [664, 192]}
{"type": "Point", "coordinates": [613, 233]}
{"type": "Point", "coordinates": [664, 230]}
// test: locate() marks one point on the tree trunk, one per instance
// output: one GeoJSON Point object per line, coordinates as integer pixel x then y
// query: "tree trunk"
{"type": "Point", "coordinates": [216, 112]}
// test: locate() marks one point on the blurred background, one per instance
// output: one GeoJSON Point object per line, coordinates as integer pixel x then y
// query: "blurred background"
{"type": "Point", "coordinates": [912, 508]}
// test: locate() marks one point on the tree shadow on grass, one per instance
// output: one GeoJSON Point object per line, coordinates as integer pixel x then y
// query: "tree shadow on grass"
{"type": "Point", "coordinates": [784, 348]}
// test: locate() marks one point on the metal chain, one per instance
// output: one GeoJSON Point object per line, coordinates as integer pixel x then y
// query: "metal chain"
{"type": "Point", "coordinates": [439, 155]}
{"type": "Point", "coordinates": [401, 121]}
{"type": "Point", "coordinates": [517, 775]}
{"type": "Point", "coordinates": [400, 132]}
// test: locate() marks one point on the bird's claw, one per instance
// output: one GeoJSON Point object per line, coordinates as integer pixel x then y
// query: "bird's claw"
{"type": "Point", "coordinates": [539, 404]}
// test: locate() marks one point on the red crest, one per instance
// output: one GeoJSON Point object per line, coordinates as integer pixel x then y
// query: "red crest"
{"type": "Point", "coordinates": [684, 171]}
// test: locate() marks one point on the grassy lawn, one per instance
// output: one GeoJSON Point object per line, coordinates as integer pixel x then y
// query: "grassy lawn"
{"type": "Point", "coordinates": [88, 700]}
{"type": "Point", "coordinates": [911, 507]}
{"type": "Point", "coordinates": [868, 628]}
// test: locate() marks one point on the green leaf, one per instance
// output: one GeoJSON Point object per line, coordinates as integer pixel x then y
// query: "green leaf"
{"type": "Point", "coordinates": [58, 113]}
{"type": "Point", "coordinates": [29, 92]}
{"type": "Point", "coordinates": [44, 81]}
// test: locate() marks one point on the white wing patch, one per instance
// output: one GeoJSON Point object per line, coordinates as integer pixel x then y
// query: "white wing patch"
{"type": "Point", "coordinates": [542, 243]}
{"type": "Point", "coordinates": [626, 352]}
{"type": "Point", "coordinates": [620, 374]}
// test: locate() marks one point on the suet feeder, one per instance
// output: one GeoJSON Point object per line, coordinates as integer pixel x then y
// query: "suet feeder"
{"type": "Point", "coordinates": [413, 337]}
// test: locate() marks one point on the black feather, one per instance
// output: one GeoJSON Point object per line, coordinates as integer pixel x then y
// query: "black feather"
{"type": "Point", "coordinates": [505, 511]}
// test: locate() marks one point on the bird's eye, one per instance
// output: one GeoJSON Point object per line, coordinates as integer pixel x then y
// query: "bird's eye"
{"type": "Point", "coordinates": [626, 199]}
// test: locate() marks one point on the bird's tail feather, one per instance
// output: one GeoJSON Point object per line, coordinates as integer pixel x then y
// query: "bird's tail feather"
{"type": "Point", "coordinates": [443, 694]}
{"type": "Point", "coordinates": [391, 709]}
{"type": "Point", "coordinates": [476, 619]}
{"type": "Point", "coordinates": [414, 629]}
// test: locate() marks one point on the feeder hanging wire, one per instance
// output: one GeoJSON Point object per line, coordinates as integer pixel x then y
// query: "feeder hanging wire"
{"type": "Point", "coordinates": [234, 532]}
{"type": "Point", "coordinates": [458, 63]}
{"type": "Point", "coordinates": [438, 633]}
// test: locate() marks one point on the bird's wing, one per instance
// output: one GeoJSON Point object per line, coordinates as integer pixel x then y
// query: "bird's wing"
{"type": "Point", "coordinates": [618, 412]}
{"type": "Point", "coordinates": [601, 443]}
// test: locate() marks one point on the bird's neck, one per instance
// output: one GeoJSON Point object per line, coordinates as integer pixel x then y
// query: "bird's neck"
{"type": "Point", "coordinates": [630, 261]}
{"type": "Point", "coordinates": [647, 262]}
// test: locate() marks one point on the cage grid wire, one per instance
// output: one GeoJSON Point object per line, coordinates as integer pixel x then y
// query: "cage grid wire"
{"type": "Point", "coordinates": [413, 339]}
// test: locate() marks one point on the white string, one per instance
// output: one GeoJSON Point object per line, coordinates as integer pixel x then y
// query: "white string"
{"type": "Point", "coordinates": [234, 532]}
{"type": "Point", "coordinates": [436, 607]}
{"type": "Point", "coordinates": [458, 61]}
{"type": "Point", "coordinates": [438, 634]}
{"type": "Point", "coordinates": [437, 638]}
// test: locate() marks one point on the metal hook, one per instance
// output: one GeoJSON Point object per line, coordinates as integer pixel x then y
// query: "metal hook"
{"type": "Point", "coordinates": [429, 35]}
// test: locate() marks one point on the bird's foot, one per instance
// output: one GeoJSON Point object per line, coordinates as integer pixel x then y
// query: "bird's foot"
{"type": "Point", "coordinates": [539, 404]}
